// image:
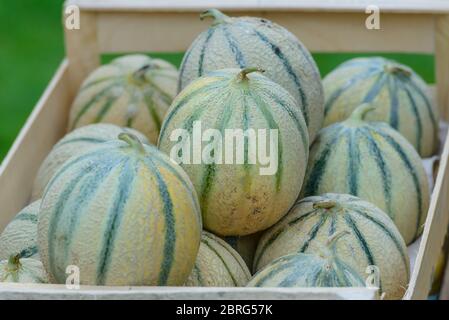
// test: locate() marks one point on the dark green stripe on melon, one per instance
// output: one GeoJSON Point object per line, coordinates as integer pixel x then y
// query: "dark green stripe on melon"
{"type": "Point", "coordinates": [401, 153]}
{"type": "Point", "coordinates": [278, 232]}
{"type": "Point", "coordinates": [239, 59]}
{"type": "Point", "coordinates": [313, 232]}
{"type": "Point", "coordinates": [26, 217]}
{"type": "Point", "coordinates": [375, 152]}
{"type": "Point", "coordinates": [222, 261]}
{"type": "Point", "coordinates": [28, 252]}
{"type": "Point", "coordinates": [114, 219]}
{"type": "Point", "coordinates": [210, 32]}
{"type": "Point", "coordinates": [318, 169]}
{"type": "Point", "coordinates": [350, 83]}
{"type": "Point", "coordinates": [170, 235]}
{"type": "Point", "coordinates": [288, 67]}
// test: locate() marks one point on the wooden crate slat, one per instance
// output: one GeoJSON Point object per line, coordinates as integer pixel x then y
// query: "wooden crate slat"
{"type": "Point", "coordinates": [402, 6]}
{"type": "Point", "coordinates": [320, 32]}
{"type": "Point", "coordinates": [46, 124]}
{"type": "Point", "coordinates": [22, 291]}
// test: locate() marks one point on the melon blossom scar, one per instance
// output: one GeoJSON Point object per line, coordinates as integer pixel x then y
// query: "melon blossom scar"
{"type": "Point", "coordinates": [236, 147]}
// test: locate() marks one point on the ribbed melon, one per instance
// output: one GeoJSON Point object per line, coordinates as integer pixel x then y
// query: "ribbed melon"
{"type": "Point", "coordinates": [235, 198]}
{"type": "Point", "coordinates": [257, 42]}
{"type": "Point", "coordinates": [373, 238]}
{"type": "Point", "coordinates": [218, 265]}
{"type": "Point", "coordinates": [74, 143]}
{"type": "Point", "coordinates": [124, 214]}
{"type": "Point", "coordinates": [20, 235]}
{"type": "Point", "coordinates": [323, 268]}
{"type": "Point", "coordinates": [22, 270]}
{"type": "Point", "coordinates": [245, 246]}
{"type": "Point", "coordinates": [133, 91]}
{"type": "Point", "coordinates": [372, 161]}
{"type": "Point", "coordinates": [400, 96]}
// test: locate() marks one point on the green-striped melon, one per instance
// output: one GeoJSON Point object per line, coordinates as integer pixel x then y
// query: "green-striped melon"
{"type": "Point", "coordinates": [245, 246]}
{"type": "Point", "coordinates": [124, 214]}
{"type": "Point", "coordinates": [323, 268]}
{"type": "Point", "coordinates": [400, 96]}
{"type": "Point", "coordinates": [373, 239]}
{"type": "Point", "coordinates": [218, 265]}
{"type": "Point", "coordinates": [372, 161]}
{"type": "Point", "coordinates": [22, 270]}
{"type": "Point", "coordinates": [20, 235]}
{"type": "Point", "coordinates": [235, 198]}
{"type": "Point", "coordinates": [74, 143]}
{"type": "Point", "coordinates": [131, 91]}
{"type": "Point", "coordinates": [239, 42]}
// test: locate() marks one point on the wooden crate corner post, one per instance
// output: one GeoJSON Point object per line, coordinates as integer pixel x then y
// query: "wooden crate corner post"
{"type": "Point", "coordinates": [81, 42]}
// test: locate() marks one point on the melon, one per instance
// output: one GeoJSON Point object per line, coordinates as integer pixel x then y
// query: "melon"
{"type": "Point", "coordinates": [245, 246]}
{"type": "Point", "coordinates": [400, 96]}
{"type": "Point", "coordinates": [74, 143]}
{"type": "Point", "coordinates": [238, 197]}
{"type": "Point", "coordinates": [22, 270]}
{"type": "Point", "coordinates": [239, 42]}
{"type": "Point", "coordinates": [20, 235]}
{"type": "Point", "coordinates": [133, 91]}
{"type": "Point", "coordinates": [372, 239]}
{"type": "Point", "coordinates": [323, 268]}
{"type": "Point", "coordinates": [218, 265]}
{"type": "Point", "coordinates": [124, 214]}
{"type": "Point", "coordinates": [372, 161]}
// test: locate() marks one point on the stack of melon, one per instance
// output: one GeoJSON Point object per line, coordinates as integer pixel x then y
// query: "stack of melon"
{"type": "Point", "coordinates": [342, 201]}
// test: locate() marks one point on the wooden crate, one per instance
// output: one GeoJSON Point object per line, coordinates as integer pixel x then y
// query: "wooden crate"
{"type": "Point", "coordinates": [118, 26]}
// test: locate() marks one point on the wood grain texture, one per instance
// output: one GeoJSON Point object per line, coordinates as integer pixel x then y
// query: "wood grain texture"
{"type": "Point", "coordinates": [442, 64]}
{"type": "Point", "coordinates": [46, 124]}
{"type": "Point", "coordinates": [319, 31]}
{"type": "Point", "coordinates": [402, 6]}
{"type": "Point", "coordinates": [82, 49]}
{"type": "Point", "coordinates": [59, 292]}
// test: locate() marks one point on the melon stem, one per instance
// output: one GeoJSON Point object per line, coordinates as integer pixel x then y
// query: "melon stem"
{"type": "Point", "coordinates": [360, 112]}
{"type": "Point", "coordinates": [139, 75]}
{"type": "Point", "coordinates": [217, 15]}
{"type": "Point", "coordinates": [132, 140]}
{"type": "Point", "coordinates": [395, 69]}
{"type": "Point", "coordinates": [324, 204]}
{"type": "Point", "coordinates": [14, 262]}
{"type": "Point", "coordinates": [242, 75]}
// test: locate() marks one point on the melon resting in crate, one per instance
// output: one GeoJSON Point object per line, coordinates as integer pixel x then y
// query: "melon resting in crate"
{"type": "Point", "coordinates": [242, 174]}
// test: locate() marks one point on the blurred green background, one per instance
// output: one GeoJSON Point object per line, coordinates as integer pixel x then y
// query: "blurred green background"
{"type": "Point", "coordinates": [31, 48]}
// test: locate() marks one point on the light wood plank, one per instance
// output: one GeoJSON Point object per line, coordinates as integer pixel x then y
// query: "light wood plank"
{"type": "Point", "coordinates": [442, 64]}
{"type": "Point", "coordinates": [42, 291]}
{"type": "Point", "coordinates": [434, 232]}
{"type": "Point", "coordinates": [322, 32]}
{"type": "Point", "coordinates": [46, 124]}
{"type": "Point", "coordinates": [82, 49]}
{"type": "Point", "coordinates": [402, 6]}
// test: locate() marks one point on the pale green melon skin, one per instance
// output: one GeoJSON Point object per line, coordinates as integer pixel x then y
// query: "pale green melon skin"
{"type": "Point", "coordinates": [74, 143]}
{"type": "Point", "coordinates": [390, 256]}
{"type": "Point", "coordinates": [245, 246]}
{"type": "Point", "coordinates": [425, 140]}
{"type": "Point", "coordinates": [218, 265]}
{"type": "Point", "coordinates": [396, 194]}
{"type": "Point", "coordinates": [143, 103]}
{"type": "Point", "coordinates": [238, 200]}
{"type": "Point", "coordinates": [293, 58]}
{"type": "Point", "coordinates": [20, 235]}
{"type": "Point", "coordinates": [123, 215]}
{"type": "Point", "coordinates": [30, 271]}
{"type": "Point", "coordinates": [307, 270]}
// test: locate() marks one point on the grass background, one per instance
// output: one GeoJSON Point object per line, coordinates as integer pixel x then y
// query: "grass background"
{"type": "Point", "coordinates": [31, 48]}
